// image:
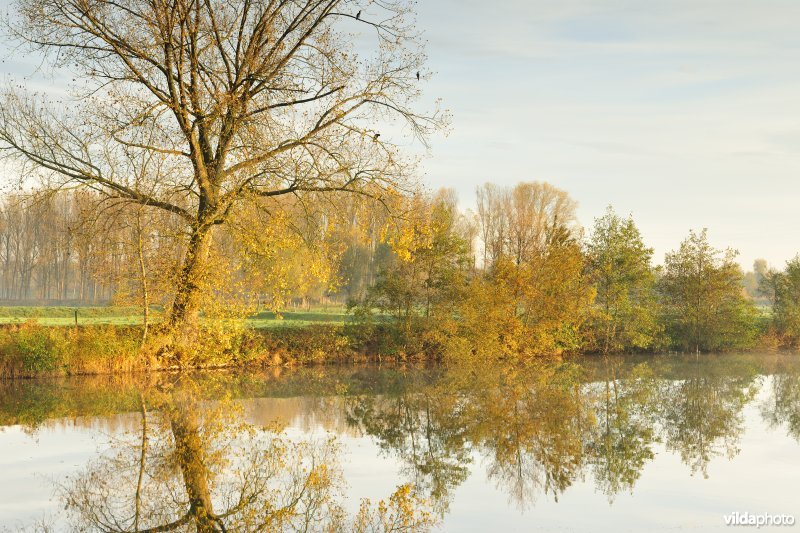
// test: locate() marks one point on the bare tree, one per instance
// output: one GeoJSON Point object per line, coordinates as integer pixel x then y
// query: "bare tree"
{"type": "Point", "coordinates": [242, 101]}
{"type": "Point", "coordinates": [491, 221]}
{"type": "Point", "coordinates": [519, 222]}
{"type": "Point", "coordinates": [536, 210]}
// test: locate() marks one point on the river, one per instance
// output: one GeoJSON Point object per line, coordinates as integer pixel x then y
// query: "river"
{"type": "Point", "coordinates": [624, 443]}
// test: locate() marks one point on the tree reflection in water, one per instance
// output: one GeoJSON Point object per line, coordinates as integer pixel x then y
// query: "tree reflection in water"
{"type": "Point", "coordinates": [783, 406]}
{"type": "Point", "coordinates": [530, 424]}
{"type": "Point", "coordinates": [621, 442]}
{"type": "Point", "coordinates": [701, 414]}
{"type": "Point", "coordinates": [195, 463]}
{"type": "Point", "coordinates": [198, 466]}
{"type": "Point", "coordinates": [540, 428]}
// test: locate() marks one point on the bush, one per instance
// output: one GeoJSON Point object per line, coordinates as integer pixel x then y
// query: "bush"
{"type": "Point", "coordinates": [102, 349]}
{"type": "Point", "coordinates": [37, 351]}
{"type": "Point", "coordinates": [29, 349]}
{"type": "Point", "coordinates": [310, 344]}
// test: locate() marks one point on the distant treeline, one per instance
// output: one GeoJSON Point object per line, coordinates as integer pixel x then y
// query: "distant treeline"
{"type": "Point", "coordinates": [45, 256]}
{"type": "Point", "coordinates": [81, 248]}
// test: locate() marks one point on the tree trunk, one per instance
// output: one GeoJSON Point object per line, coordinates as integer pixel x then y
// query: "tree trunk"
{"type": "Point", "coordinates": [143, 276]}
{"type": "Point", "coordinates": [183, 316]}
{"type": "Point", "coordinates": [142, 458]}
{"type": "Point", "coordinates": [190, 454]}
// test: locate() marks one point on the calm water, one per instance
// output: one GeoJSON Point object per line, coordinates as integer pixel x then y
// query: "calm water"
{"type": "Point", "coordinates": [623, 444]}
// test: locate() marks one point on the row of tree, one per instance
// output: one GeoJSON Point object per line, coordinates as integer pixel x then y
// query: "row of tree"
{"type": "Point", "coordinates": [78, 246]}
{"type": "Point", "coordinates": [223, 150]}
{"type": "Point", "coordinates": [44, 255]}
{"type": "Point", "coordinates": [520, 276]}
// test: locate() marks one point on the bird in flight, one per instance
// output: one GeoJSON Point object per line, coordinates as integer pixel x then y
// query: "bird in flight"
{"type": "Point", "coordinates": [358, 15]}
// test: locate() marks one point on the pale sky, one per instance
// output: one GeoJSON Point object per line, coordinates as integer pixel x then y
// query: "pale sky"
{"type": "Point", "coordinates": [684, 113]}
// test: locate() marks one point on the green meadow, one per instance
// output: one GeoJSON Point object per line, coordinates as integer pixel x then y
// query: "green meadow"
{"type": "Point", "coordinates": [130, 316]}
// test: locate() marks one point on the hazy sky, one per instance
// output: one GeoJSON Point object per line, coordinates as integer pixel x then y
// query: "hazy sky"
{"type": "Point", "coordinates": [685, 114]}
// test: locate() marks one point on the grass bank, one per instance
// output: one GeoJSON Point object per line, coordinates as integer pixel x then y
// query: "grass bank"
{"type": "Point", "coordinates": [49, 341]}
{"type": "Point", "coordinates": [132, 316]}
{"type": "Point", "coordinates": [30, 349]}
{"type": "Point", "coordinates": [108, 341]}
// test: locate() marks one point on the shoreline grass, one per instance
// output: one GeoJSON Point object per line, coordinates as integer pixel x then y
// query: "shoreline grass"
{"type": "Point", "coordinates": [30, 349]}
{"type": "Point", "coordinates": [108, 341]}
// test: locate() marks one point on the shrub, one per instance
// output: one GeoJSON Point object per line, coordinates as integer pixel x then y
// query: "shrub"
{"type": "Point", "coordinates": [102, 349]}
{"type": "Point", "coordinates": [29, 349]}
{"type": "Point", "coordinates": [310, 344]}
{"type": "Point", "coordinates": [37, 351]}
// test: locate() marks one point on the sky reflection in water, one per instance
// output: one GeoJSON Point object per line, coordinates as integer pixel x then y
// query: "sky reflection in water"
{"type": "Point", "coordinates": [623, 444]}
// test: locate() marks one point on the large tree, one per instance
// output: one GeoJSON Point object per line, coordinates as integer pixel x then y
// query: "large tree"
{"type": "Point", "coordinates": [239, 102]}
{"type": "Point", "coordinates": [618, 264]}
{"type": "Point", "coordinates": [518, 222]}
{"type": "Point", "coordinates": [703, 299]}
{"type": "Point", "coordinates": [784, 290]}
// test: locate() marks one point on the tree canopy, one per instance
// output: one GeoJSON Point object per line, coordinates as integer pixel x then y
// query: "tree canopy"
{"type": "Point", "coordinates": [619, 265]}
{"type": "Point", "coordinates": [703, 298]}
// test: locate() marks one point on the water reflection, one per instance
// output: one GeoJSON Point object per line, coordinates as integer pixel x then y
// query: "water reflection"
{"type": "Point", "coordinates": [701, 414]}
{"type": "Point", "coordinates": [529, 424]}
{"type": "Point", "coordinates": [199, 466]}
{"type": "Point", "coordinates": [201, 454]}
{"type": "Point", "coordinates": [541, 428]}
{"type": "Point", "coordinates": [424, 430]}
{"type": "Point", "coordinates": [623, 435]}
{"type": "Point", "coordinates": [783, 407]}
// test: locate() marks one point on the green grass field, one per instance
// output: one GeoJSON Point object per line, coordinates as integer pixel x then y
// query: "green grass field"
{"type": "Point", "coordinates": [126, 316]}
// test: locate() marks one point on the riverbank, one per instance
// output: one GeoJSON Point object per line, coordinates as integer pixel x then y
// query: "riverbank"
{"type": "Point", "coordinates": [31, 350]}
